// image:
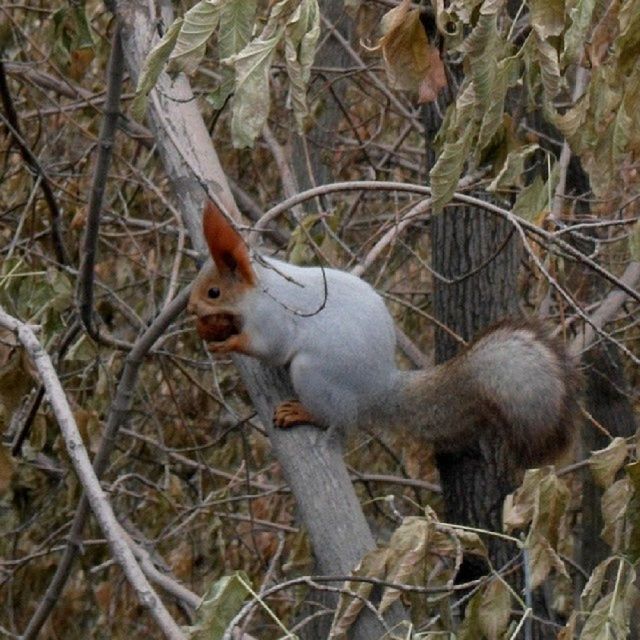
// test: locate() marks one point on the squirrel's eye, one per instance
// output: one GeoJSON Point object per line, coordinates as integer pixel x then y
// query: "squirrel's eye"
{"type": "Point", "coordinates": [214, 292]}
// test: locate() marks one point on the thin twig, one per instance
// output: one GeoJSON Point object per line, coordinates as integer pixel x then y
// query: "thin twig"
{"type": "Point", "coordinates": [12, 124]}
{"type": "Point", "coordinates": [565, 154]}
{"type": "Point", "coordinates": [65, 342]}
{"type": "Point", "coordinates": [607, 309]}
{"type": "Point", "coordinates": [84, 291]}
{"type": "Point", "coordinates": [373, 185]}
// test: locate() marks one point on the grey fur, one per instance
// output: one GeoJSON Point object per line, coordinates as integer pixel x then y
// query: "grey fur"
{"type": "Point", "coordinates": [336, 335]}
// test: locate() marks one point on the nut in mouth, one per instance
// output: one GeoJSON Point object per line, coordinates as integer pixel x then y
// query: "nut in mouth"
{"type": "Point", "coordinates": [218, 327]}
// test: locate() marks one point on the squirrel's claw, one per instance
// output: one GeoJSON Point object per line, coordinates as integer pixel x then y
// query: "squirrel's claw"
{"type": "Point", "coordinates": [291, 414]}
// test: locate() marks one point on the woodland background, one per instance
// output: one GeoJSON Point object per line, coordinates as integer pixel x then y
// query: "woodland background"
{"type": "Point", "coordinates": [522, 118]}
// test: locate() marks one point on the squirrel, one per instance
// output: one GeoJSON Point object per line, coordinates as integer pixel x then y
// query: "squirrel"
{"type": "Point", "coordinates": [337, 338]}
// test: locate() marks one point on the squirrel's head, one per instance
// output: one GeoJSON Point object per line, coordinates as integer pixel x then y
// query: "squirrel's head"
{"type": "Point", "coordinates": [221, 284]}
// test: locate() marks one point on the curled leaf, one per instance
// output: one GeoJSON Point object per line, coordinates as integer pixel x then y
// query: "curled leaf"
{"type": "Point", "coordinates": [301, 36]}
{"type": "Point", "coordinates": [234, 32]}
{"type": "Point", "coordinates": [373, 565]}
{"type": "Point", "coordinates": [152, 67]}
{"type": "Point", "coordinates": [412, 63]}
{"type": "Point", "coordinates": [547, 17]}
{"type": "Point", "coordinates": [615, 502]}
{"type": "Point", "coordinates": [198, 25]}
{"type": "Point", "coordinates": [606, 463]}
{"type": "Point", "coordinates": [511, 172]}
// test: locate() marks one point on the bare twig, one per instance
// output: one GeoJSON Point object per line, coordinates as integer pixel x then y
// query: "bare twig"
{"type": "Point", "coordinates": [287, 177]}
{"type": "Point", "coordinates": [23, 433]}
{"type": "Point", "coordinates": [84, 291]}
{"type": "Point", "coordinates": [12, 124]}
{"type": "Point", "coordinates": [607, 310]}
{"type": "Point", "coordinates": [582, 76]}
{"type": "Point", "coordinates": [68, 89]}
{"type": "Point", "coordinates": [169, 584]}
{"type": "Point", "coordinates": [357, 185]}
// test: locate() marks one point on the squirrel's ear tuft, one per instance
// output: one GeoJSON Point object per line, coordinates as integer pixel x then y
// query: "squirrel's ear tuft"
{"type": "Point", "coordinates": [226, 246]}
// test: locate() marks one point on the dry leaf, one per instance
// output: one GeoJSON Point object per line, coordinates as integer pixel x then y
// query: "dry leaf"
{"type": "Point", "coordinates": [411, 62]}
{"type": "Point", "coordinates": [495, 609]}
{"type": "Point", "coordinates": [6, 469]}
{"type": "Point", "coordinates": [606, 463]}
{"type": "Point", "coordinates": [604, 34]}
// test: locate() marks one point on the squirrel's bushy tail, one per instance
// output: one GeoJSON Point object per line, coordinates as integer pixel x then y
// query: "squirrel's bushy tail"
{"type": "Point", "coordinates": [515, 380]}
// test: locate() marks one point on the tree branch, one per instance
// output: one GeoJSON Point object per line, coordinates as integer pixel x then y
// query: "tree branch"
{"type": "Point", "coordinates": [118, 415]}
{"type": "Point", "coordinates": [86, 276]}
{"type": "Point", "coordinates": [312, 465]}
{"type": "Point", "coordinates": [607, 309]}
{"type": "Point", "coordinates": [89, 480]}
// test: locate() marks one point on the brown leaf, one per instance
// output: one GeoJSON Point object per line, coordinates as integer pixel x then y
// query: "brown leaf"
{"type": "Point", "coordinates": [79, 219]}
{"type": "Point", "coordinates": [606, 463]}
{"type": "Point", "coordinates": [568, 632]}
{"type": "Point", "coordinates": [6, 469]}
{"type": "Point", "coordinates": [551, 505]}
{"type": "Point", "coordinates": [181, 560]}
{"type": "Point", "coordinates": [495, 609]}
{"type": "Point", "coordinates": [518, 509]}
{"type": "Point", "coordinates": [89, 428]}
{"type": "Point", "coordinates": [435, 78]}
{"type": "Point", "coordinates": [411, 62]}
{"type": "Point", "coordinates": [408, 549]}
{"type": "Point", "coordinates": [543, 558]}
{"type": "Point", "coordinates": [614, 509]}
{"type": "Point", "coordinates": [604, 33]}
{"type": "Point", "coordinates": [372, 565]}
{"type": "Point", "coordinates": [593, 588]}
{"type": "Point", "coordinates": [79, 62]}
{"type": "Point", "coordinates": [16, 373]}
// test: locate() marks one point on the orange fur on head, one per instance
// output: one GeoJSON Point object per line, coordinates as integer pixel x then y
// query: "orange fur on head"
{"type": "Point", "coordinates": [226, 246]}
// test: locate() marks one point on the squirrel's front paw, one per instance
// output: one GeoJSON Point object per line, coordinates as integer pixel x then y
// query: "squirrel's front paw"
{"type": "Point", "coordinates": [235, 344]}
{"type": "Point", "coordinates": [291, 414]}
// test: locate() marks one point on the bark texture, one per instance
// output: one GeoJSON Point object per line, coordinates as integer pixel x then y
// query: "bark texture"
{"type": "Point", "coordinates": [478, 252]}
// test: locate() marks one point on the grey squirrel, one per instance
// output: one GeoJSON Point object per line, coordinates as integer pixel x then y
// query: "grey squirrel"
{"type": "Point", "coordinates": [334, 333]}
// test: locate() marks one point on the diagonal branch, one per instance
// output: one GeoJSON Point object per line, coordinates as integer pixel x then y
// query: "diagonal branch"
{"type": "Point", "coordinates": [88, 478]}
{"type": "Point", "coordinates": [313, 466]}
{"type": "Point", "coordinates": [118, 415]}
{"type": "Point", "coordinates": [607, 309]}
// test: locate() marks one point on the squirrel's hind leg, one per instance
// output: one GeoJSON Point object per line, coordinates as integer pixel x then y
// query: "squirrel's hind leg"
{"type": "Point", "coordinates": [291, 414]}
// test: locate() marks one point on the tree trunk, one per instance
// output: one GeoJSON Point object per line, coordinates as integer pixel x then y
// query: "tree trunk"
{"type": "Point", "coordinates": [313, 465]}
{"type": "Point", "coordinates": [478, 252]}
